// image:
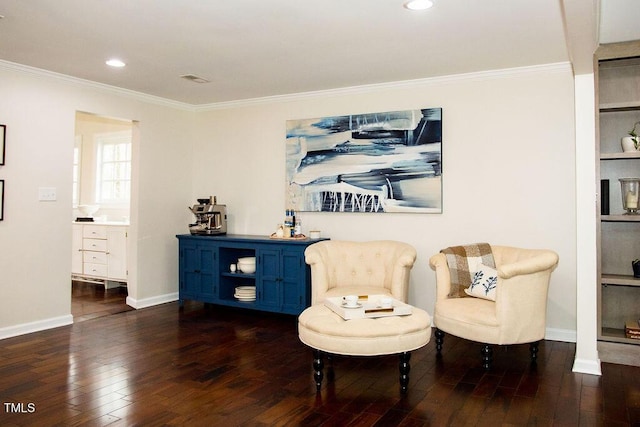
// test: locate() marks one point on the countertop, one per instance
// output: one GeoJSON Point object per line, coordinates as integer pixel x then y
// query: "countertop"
{"type": "Point", "coordinates": [121, 223]}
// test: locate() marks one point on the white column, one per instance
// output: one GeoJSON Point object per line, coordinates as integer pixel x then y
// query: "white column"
{"type": "Point", "coordinates": [587, 192]}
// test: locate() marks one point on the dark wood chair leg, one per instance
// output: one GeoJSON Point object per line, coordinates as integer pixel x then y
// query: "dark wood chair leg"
{"type": "Point", "coordinates": [439, 340]}
{"type": "Point", "coordinates": [330, 373]}
{"type": "Point", "coordinates": [405, 367]}
{"type": "Point", "coordinates": [318, 364]}
{"type": "Point", "coordinates": [487, 356]}
{"type": "Point", "coordinates": [533, 351]}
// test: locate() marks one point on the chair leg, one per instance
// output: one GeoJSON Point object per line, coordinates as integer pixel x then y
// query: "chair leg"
{"type": "Point", "coordinates": [487, 356]}
{"type": "Point", "coordinates": [533, 351]}
{"type": "Point", "coordinates": [330, 373]}
{"type": "Point", "coordinates": [404, 371]}
{"type": "Point", "coordinates": [318, 365]}
{"type": "Point", "coordinates": [439, 340]}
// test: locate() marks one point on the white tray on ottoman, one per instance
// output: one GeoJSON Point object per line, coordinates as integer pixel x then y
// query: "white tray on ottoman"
{"type": "Point", "coordinates": [368, 306]}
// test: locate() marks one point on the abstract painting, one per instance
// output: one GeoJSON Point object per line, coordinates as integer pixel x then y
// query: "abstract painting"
{"type": "Point", "coordinates": [373, 162]}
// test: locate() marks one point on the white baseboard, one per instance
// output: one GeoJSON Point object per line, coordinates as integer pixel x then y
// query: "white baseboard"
{"type": "Point", "coordinates": [150, 302]}
{"type": "Point", "coordinates": [587, 366]}
{"type": "Point", "coordinates": [584, 366]}
{"type": "Point", "coordinates": [40, 325]}
{"type": "Point", "coordinates": [564, 335]}
{"type": "Point", "coordinates": [56, 322]}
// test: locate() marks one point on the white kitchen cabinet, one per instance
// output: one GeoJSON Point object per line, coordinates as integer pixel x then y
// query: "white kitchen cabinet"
{"type": "Point", "coordinates": [99, 253]}
{"type": "Point", "coordinates": [76, 253]}
{"type": "Point", "coordinates": [117, 253]}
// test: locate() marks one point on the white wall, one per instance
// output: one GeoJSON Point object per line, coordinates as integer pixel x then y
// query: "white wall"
{"type": "Point", "coordinates": [35, 237]}
{"type": "Point", "coordinates": [508, 170]}
{"type": "Point", "coordinates": [508, 178]}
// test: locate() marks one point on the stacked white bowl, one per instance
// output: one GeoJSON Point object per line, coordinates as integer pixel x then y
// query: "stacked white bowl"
{"type": "Point", "coordinates": [247, 264]}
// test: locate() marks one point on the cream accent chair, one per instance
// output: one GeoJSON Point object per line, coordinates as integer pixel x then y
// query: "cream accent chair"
{"type": "Point", "coordinates": [359, 268]}
{"type": "Point", "coordinates": [518, 314]}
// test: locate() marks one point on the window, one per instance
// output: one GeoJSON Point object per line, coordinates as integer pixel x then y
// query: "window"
{"type": "Point", "coordinates": [113, 183]}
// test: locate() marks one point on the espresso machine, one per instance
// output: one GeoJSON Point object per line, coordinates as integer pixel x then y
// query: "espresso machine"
{"type": "Point", "coordinates": [211, 218]}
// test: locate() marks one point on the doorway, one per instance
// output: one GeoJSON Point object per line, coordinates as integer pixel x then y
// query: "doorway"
{"type": "Point", "coordinates": [90, 300]}
{"type": "Point", "coordinates": [101, 212]}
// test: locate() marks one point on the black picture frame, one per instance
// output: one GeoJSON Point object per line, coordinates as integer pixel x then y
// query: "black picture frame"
{"type": "Point", "coordinates": [1, 199]}
{"type": "Point", "coordinates": [3, 139]}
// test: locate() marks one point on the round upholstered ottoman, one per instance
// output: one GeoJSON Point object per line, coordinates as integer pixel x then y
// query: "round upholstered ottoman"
{"type": "Point", "coordinates": [326, 332]}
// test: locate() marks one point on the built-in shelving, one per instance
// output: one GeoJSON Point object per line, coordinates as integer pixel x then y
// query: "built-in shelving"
{"type": "Point", "coordinates": [620, 218]}
{"type": "Point", "coordinates": [615, 107]}
{"type": "Point", "coordinates": [617, 335]}
{"type": "Point", "coordinates": [620, 156]}
{"type": "Point", "coordinates": [618, 232]}
{"type": "Point", "coordinates": [619, 279]}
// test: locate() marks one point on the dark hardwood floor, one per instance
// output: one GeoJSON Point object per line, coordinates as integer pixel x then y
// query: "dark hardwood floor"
{"type": "Point", "coordinates": [92, 300]}
{"type": "Point", "coordinates": [209, 366]}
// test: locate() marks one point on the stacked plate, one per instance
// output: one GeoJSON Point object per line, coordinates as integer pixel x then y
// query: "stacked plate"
{"type": "Point", "coordinates": [245, 293]}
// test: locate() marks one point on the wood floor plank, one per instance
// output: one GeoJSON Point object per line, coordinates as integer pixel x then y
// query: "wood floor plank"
{"type": "Point", "coordinates": [206, 365]}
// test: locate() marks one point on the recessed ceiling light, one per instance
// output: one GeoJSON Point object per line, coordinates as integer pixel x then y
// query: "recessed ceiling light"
{"type": "Point", "coordinates": [115, 63]}
{"type": "Point", "coordinates": [418, 4]}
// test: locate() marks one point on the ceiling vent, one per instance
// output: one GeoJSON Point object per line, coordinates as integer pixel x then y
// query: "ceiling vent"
{"type": "Point", "coordinates": [194, 78]}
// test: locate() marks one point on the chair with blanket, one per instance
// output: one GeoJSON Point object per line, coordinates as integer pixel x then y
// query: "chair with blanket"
{"type": "Point", "coordinates": [495, 295]}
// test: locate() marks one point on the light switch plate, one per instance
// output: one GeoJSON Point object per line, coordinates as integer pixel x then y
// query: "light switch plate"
{"type": "Point", "coordinates": [47, 194]}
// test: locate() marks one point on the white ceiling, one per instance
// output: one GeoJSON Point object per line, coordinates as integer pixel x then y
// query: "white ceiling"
{"type": "Point", "coordinates": [619, 20]}
{"type": "Point", "coordinates": [253, 49]}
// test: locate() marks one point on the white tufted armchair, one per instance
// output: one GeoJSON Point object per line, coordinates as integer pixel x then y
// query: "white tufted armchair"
{"type": "Point", "coordinates": [360, 268]}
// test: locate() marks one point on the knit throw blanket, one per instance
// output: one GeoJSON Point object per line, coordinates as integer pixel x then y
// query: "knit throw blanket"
{"type": "Point", "coordinates": [463, 262]}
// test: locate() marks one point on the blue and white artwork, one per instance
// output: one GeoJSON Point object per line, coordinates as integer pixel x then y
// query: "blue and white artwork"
{"type": "Point", "coordinates": [375, 162]}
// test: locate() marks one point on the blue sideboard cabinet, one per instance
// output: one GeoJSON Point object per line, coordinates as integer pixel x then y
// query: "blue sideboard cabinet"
{"type": "Point", "coordinates": [282, 278]}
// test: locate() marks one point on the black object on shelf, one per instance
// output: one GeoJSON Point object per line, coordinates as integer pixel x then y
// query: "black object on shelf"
{"type": "Point", "coordinates": [604, 197]}
{"type": "Point", "coordinates": [635, 264]}
{"type": "Point", "coordinates": [84, 219]}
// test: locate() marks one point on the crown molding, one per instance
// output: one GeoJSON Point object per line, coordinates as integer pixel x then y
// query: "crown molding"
{"type": "Point", "coordinates": [76, 81]}
{"type": "Point", "coordinates": [353, 90]}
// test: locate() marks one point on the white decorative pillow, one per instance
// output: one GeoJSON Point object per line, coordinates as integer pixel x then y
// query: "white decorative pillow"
{"type": "Point", "coordinates": [483, 283]}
